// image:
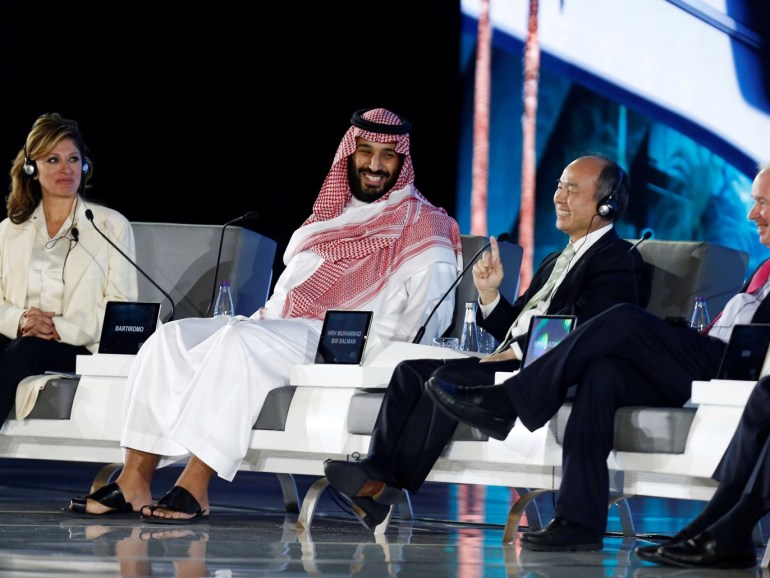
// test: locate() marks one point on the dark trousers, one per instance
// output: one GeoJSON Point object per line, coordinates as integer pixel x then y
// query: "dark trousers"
{"type": "Point", "coordinates": [746, 463]}
{"type": "Point", "coordinates": [411, 432]}
{"type": "Point", "coordinates": [742, 497]}
{"type": "Point", "coordinates": [624, 357]}
{"type": "Point", "coordinates": [25, 356]}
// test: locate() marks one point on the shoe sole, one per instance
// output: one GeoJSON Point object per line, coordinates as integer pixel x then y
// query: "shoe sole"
{"type": "Point", "coordinates": [175, 521]}
{"type": "Point", "coordinates": [587, 547]}
{"type": "Point", "coordinates": [442, 400]}
{"type": "Point", "coordinates": [109, 515]}
{"type": "Point", "coordinates": [736, 565]}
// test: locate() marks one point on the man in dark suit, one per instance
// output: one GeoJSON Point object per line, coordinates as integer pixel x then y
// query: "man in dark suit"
{"type": "Point", "coordinates": [721, 535]}
{"type": "Point", "coordinates": [623, 357]}
{"type": "Point", "coordinates": [594, 272]}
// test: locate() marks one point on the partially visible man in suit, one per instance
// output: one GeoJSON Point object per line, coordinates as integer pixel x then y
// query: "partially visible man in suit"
{"type": "Point", "coordinates": [596, 270]}
{"type": "Point", "coordinates": [721, 535]}
{"type": "Point", "coordinates": [623, 357]}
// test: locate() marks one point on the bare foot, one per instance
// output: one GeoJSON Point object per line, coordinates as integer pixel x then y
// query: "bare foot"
{"type": "Point", "coordinates": [178, 504]}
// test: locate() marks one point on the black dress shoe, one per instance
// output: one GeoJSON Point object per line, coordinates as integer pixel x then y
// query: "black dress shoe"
{"type": "Point", "coordinates": [463, 403]}
{"type": "Point", "coordinates": [650, 553]}
{"type": "Point", "coordinates": [703, 551]}
{"type": "Point", "coordinates": [368, 512]}
{"type": "Point", "coordinates": [361, 479]}
{"type": "Point", "coordinates": [561, 535]}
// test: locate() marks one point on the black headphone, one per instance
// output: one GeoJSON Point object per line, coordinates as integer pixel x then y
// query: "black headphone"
{"type": "Point", "coordinates": [30, 166]}
{"type": "Point", "coordinates": [608, 206]}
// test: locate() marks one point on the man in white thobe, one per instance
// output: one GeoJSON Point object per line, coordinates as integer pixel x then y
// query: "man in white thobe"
{"type": "Point", "coordinates": [197, 386]}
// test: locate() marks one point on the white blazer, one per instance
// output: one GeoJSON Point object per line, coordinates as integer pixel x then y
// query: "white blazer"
{"type": "Point", "coordinates": [95, 272]}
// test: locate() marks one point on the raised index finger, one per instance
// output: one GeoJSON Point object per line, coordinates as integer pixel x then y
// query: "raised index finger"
{"type": "Point", "coordinates": [494, 249]}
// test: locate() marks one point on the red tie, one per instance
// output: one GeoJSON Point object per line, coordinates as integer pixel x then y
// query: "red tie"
{"type": "Point", "coordinates": [760, 277]}
{"type": "Point", "coordinates": [757, 282]}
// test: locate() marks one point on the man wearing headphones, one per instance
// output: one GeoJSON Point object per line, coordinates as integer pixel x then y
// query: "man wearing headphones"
{"type": "Point", "coordinates": [596, 270]}
{"type": "Point", "coordinates": [624, 357]}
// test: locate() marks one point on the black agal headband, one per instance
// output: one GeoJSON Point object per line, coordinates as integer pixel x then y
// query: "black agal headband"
{"type": "Point", "coordinates": [359, 121]}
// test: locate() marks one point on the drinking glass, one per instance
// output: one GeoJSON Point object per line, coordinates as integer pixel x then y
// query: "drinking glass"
{"type": "Point", "coordinates": [487, 341]}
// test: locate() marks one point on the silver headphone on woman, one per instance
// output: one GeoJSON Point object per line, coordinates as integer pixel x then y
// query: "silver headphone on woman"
{"type": "Point", "coordinates": [30, 166]}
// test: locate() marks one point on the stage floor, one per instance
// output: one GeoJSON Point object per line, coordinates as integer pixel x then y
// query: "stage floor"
{"type": "Point", "coordinates": [456, 532]}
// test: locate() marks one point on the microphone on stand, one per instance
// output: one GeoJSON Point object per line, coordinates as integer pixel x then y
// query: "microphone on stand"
{"type": "Point", "coordinates": [90, 217]}
{"type": "Point", "coordinates": [421, 331]}
{"type": "Point", "coordinates": [646, 235]}
{"type": "Point", "coordinates": [250, 216]}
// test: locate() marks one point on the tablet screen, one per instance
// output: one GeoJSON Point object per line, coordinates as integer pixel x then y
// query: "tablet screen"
{"type": "Point", "coordinates": [343, 337]}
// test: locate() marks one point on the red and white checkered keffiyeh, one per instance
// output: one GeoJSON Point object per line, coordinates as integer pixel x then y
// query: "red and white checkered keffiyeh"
{"type": "Point", "coordinates": [360, 256]}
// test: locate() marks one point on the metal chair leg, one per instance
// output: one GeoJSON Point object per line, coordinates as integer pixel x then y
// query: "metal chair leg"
{"type": "Point", "coordinates": [517, 510]}
{"type": "Point", "coordinates": [309, 503]}
{"type": "Point", "coordinates": [104, 475]}
{"type": "Point", "coordinates": [624, 512]}
{"type": "Point", "coordinates": [290, 492]}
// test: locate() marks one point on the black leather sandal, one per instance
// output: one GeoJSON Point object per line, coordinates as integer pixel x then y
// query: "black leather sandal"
{"type": "Point", "coordinates": [109, 496]}
{"type": "Point", "coordinates": [177, 500]}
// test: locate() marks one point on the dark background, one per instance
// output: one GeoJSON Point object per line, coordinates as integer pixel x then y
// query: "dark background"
{"type": "Point", "coordinates": [199, 115]}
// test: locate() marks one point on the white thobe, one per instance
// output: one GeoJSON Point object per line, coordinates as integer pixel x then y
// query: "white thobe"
{"type": "Point", "coordinates": [197, 385]}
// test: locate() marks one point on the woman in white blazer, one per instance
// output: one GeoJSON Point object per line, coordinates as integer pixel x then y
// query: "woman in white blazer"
{"type": "Point", "coordinates": [56, 271]}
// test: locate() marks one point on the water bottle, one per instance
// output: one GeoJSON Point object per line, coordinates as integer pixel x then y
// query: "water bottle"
{"type": "Point", "coordinates": [699, 319]}
{"type": "Point", "coordinates": [469, 340]}
{"type": "Point", "coordinates": [224, 303]}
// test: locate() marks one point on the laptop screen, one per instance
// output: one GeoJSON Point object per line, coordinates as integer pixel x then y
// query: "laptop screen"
{"type": "Point", "coordinates": [127, 325]}
{"type": "Point", "coordinates": [745, 353]}
{"type": "Point", "coordinates": [545, 333]}
{"type": "Point", "coordinates": [343, 337]}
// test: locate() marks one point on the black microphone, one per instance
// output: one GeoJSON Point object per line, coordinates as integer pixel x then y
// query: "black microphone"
{"type": "Point", "coordinates": [646, 235]}
{"type": "Point", "coordinates": [90, 217]}
{"type": "Point", "coordinates": [250, 216]}
{"type": "Point", "coordinates": [421, 331]}
{"type": "Point", "coordinates": [75, 233]}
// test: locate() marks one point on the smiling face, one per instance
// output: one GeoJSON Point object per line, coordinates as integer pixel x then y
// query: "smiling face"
{"type": "Point", "coordinates": [373, 169]}
{"type": "Point", "coordinates": [760, 210]}
{"type": "Point", "coordinates": [61, 170]}
{"type": "Point", "coordinates": [575, 199]}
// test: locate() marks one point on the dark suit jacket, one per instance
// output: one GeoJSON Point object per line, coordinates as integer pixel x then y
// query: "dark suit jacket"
{"type": "Point", "coordinates": [604, 276]}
